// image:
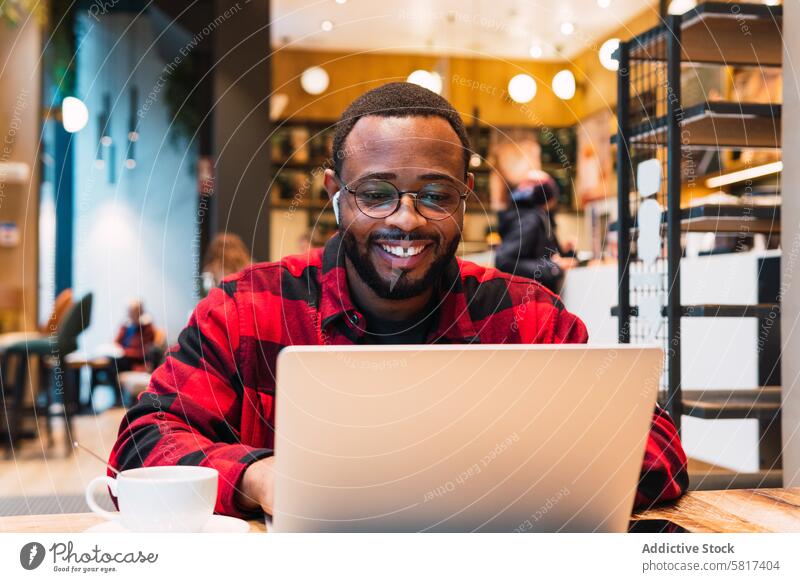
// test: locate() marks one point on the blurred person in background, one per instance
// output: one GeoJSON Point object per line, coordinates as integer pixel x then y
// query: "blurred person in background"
{"type": "Point", "coordinates": [136, 339]}
{"type": "Point", "coordinates": [529, 246]}
{"type": "Point", "coordinates": [226, 254]}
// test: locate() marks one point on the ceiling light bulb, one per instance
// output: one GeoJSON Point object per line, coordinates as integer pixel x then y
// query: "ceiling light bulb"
{"type": "Point", "coordinates": [604, 3]}
{"type": "Point", "coordinates": [564, 84]}
{"type": "Point", "coordinates": [74, 114]}
{"type": "Point", "coordinates": [327, 25]}
{"type": "Point", "coordinates": [536, 51]}
{"type": "Point", "coordinates": [314, 80]}
{"type": "Point", "coordinates": [681, 6]}
{"type": "Point", "coordinates": [606, 52]}
{"type": "Point", "coordinates": [522, 88]}
{"type": "Point", "coordinates": [567, 28]}
{"type": "Point", "coordinates": [428, 79]}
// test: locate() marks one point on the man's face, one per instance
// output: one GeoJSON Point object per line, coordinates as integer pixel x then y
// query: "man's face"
{"type": "Point", "coordinates": [409, 152]}
{"type": "Point", "coordinates": [135, 311]}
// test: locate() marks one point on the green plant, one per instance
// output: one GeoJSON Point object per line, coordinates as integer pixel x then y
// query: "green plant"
{"type": "Point", "coordinates": [61, 50]}
{"type": "Point", "coordinates": [183, 98]}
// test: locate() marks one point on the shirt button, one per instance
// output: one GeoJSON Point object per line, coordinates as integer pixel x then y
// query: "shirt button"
{"type": "Point", "coordinates": [354, 318]}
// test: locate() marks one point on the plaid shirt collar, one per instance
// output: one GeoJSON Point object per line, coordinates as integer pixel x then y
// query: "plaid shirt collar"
{"type": "Point", "coordinates": [454, 324]}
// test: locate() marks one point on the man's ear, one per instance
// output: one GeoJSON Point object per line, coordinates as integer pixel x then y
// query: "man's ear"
{"type": "Point", "coordinates": [334, 193]}
{"type": "Point", "coordinates": [470, 186]}
{"type": "Point", "coordinates": [330, 183]}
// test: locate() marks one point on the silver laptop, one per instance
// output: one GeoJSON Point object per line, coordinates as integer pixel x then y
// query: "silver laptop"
{"type": "Point", "coordinates": [456, 438]}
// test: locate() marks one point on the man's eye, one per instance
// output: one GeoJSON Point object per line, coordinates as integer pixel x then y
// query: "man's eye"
{"type": "Point", "coordinates": [439, 196]}
{"type": "Point", "coordinates": [373, 195]}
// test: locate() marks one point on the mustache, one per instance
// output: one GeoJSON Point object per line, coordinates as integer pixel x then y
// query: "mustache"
{"type": "Point", "coordinates": [404, 236]}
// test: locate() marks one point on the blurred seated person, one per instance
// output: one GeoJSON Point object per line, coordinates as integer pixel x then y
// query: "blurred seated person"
{"type": "Point", "coordinates": [136, 339]}
{"type": "Point", "coordinates": [226, 255]}
{"type": "Point", "coordinates": [529, 246]}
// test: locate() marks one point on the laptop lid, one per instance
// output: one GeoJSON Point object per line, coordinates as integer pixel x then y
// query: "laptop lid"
{"type": "Point", "coordinates": [461, 437]}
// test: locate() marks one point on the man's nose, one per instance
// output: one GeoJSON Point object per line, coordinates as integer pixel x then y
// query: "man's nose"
{"type": "Point", "coordinates": [406, 218]}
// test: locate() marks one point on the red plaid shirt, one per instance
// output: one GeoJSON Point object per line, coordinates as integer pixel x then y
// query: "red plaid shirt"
{"type": "Point", "coordinates": [212, 402]}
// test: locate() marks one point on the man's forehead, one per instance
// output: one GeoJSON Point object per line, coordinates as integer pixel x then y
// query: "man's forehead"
{"type": "Point", "coordinates": [376, 130]}
{"type": "Point", "coordinates": [407, 137]}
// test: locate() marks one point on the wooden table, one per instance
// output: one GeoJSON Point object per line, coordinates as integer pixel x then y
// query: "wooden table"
{"type": "Point", "coordinates": [72, 523]}
{"type": "Point", "coordinates": [732, 511]}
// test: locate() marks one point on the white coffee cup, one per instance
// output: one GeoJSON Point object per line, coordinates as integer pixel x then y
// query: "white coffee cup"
{"type": "Point", "coordinates": [160, 499]}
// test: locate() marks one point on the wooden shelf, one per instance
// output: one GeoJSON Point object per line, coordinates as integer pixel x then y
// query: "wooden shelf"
{"type": "Point", "coordinates": [731, 218]}
{"type": "Point", "coordinates": [725, 219]}
{"type": "Point", "coordinates": [718, 33]}
{"type": "Point", "coordinates": [761, 403]}
{"type": "Point", "coordinates": [302, 204]}
{"type": "Point", "coordinates": [757, 310]}
{"type": "Point", "coordinates": [301, 166]}
{"type": "Point", "coordinates": [718, 124]}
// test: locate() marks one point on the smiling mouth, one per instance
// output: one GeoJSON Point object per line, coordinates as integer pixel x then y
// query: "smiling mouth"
{"type": "Point", "coordinates": [403, 252]}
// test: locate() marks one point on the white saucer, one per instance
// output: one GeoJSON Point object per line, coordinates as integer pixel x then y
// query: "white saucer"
{"type": "Point", "coordinates": [217, 524]}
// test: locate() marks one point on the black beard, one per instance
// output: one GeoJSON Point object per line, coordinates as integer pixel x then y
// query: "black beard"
{"type": "Point", "coordinates": [402, 288]}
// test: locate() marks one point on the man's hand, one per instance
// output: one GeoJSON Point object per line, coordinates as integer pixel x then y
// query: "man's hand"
{"type": "Point", "coordinates": [256, 488]}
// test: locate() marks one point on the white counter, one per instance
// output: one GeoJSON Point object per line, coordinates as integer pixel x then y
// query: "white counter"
{"type": "Point", "coordinates": [716, 352]}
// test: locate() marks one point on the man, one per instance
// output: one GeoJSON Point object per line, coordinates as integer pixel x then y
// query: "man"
{"type": "Point", "coordinates": [398, 188]}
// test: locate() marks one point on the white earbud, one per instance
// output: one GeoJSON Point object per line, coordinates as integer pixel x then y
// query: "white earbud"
{"type": "Point", "coordinates": [335, 202]}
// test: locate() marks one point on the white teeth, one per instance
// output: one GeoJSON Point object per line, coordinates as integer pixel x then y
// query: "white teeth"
{"type": "Point", "coordinates": [403, 252]}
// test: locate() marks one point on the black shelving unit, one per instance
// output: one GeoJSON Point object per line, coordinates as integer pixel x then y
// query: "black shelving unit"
{"type": "Point", "coordinates": [654, 124]}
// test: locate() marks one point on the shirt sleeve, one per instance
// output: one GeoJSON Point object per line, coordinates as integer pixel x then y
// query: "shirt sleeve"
{"type": "Point", "coordinates": [191, 412]}
{"type": "Point", "coordinates": [664, 474]}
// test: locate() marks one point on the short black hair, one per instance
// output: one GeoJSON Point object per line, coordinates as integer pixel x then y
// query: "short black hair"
{"type": "Point", "coordinates": [398, 100]}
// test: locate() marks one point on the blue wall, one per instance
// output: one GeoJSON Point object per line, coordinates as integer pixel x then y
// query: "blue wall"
{"type": "Point", "coordinates": [135, 231]}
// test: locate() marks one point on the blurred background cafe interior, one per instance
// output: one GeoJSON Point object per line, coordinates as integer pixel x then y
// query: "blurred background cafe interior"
{"type": "Point", "coordinates": [149, 148]}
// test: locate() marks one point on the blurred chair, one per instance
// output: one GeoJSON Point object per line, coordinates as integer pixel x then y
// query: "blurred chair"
{"type": "Point", "coordinates": [62, 304]}
{"type": "Point", "coordinates": [11, 303]}
{"type": "Point", "coordinates": [51, 352]}
{"type": "Point", "coordinates": [60, 308]}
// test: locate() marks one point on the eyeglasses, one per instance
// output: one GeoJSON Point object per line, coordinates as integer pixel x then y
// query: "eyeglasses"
{"type": "Point", "coordinates": [380, 199]}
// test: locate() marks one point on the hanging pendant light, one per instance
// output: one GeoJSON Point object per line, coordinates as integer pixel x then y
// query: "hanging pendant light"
{"type": "Point", "coordinates": [133, 133]}
{"type": "Point", "coordinates": [74, 114]}
{"type": "Point", "coordinates": [522, 88]}
{"type": "Point", "coordinates": [564, 84]}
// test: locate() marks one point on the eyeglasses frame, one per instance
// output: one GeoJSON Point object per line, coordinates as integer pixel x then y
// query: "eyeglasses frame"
{"type": "Point", "coordinates": [412, 193]}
